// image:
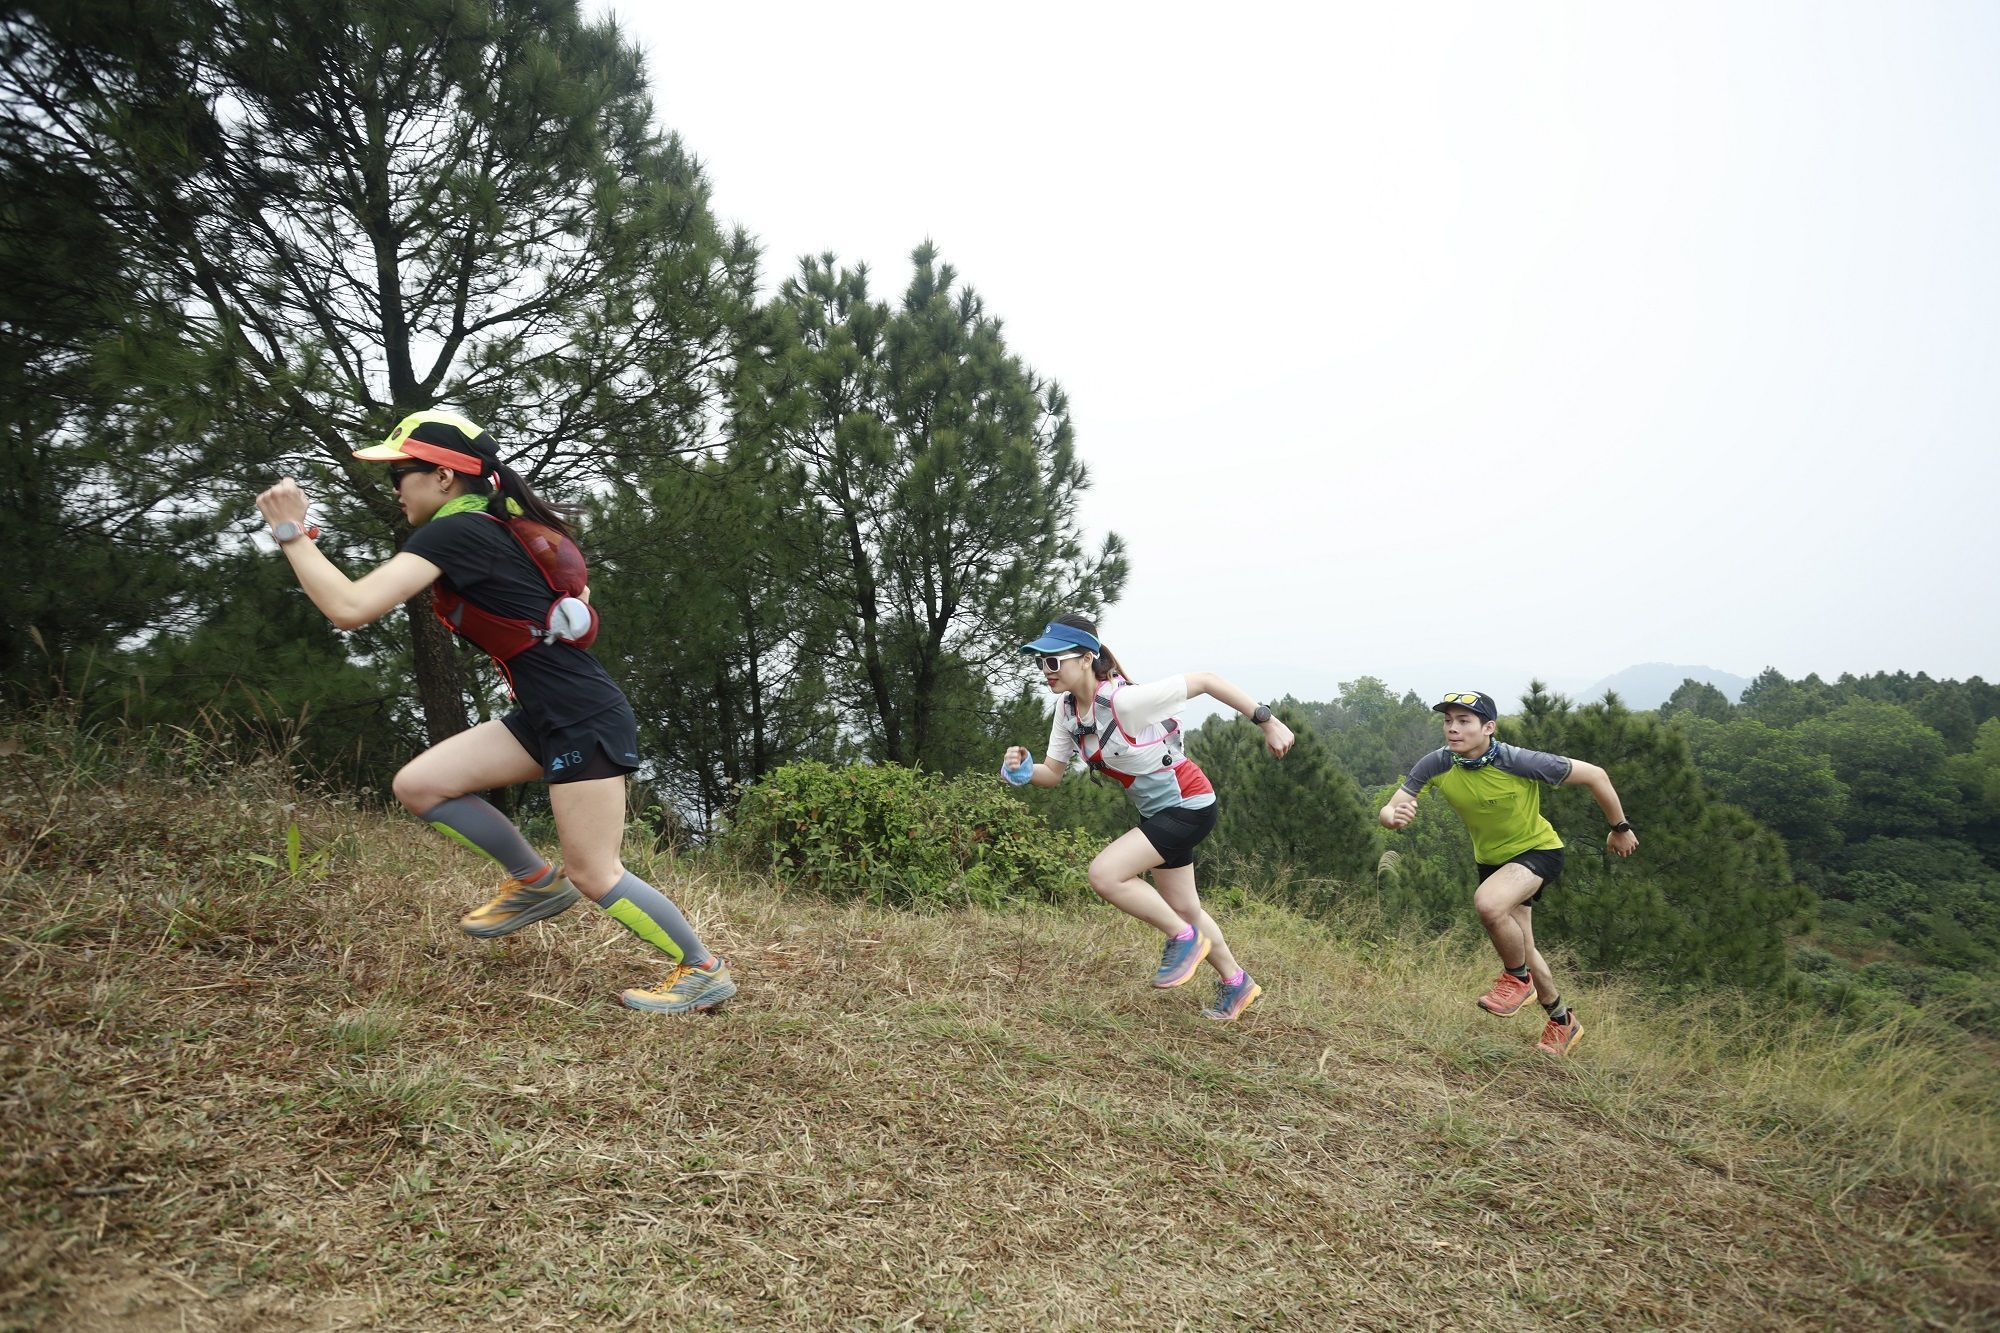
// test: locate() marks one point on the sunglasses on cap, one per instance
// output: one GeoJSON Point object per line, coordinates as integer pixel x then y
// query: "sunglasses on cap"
{"type": "Point", "coordinates": [1052, 664]}
{"type": "Point", "coordinates": [1471, 699]}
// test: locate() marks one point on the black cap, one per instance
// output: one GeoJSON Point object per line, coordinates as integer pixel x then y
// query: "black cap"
{"type": "Point", "coordinates": [1472, 701]}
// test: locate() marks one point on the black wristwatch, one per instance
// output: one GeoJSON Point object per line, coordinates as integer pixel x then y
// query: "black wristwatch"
{"type": "Point", "coordinates": [1622, 826]}
{"type": "Point", "coordinates": [1262, 715]}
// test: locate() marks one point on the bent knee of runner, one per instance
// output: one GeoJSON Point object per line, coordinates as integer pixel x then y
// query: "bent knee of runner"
{"type": "Point", "coordinates": [592, 878]}
{"type": "Point", "coordinates": [1104, 880]}
{"type": "Point", "coordinates": [418, 796]}
{"type": "Point", "coordinates": [1492, 908]}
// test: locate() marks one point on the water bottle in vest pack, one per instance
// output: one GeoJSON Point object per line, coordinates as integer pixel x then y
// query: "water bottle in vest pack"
{"type": "Point", "coordinates": [569, 618]}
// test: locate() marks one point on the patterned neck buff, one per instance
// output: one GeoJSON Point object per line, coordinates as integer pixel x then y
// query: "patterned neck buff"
{"type": "Point", "coordinates": [1482, 761]}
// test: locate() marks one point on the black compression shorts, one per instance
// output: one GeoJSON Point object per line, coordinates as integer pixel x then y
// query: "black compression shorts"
{"type": "Point", "coordinates": [605, 745]}
{"type": "Point", "coordinates": [1547, 863]}
{"type": "Point", "coordinates": [1176, 831]}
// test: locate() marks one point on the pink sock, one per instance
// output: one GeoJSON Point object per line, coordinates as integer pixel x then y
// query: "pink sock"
{"type": "Point", "coordinates": [1187, 933]}
{"type": "Point", "coordinates": [1236, 980]}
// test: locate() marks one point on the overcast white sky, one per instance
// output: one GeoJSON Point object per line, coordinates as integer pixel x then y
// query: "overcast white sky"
{"type": "Point", "coordinates": [1447, 344]}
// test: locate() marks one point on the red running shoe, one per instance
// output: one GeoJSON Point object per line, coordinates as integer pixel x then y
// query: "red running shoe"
{"type": "Point", "coordinates": [1558, 1038]}
{"type": "Point", "coordinates": [1509, 993]}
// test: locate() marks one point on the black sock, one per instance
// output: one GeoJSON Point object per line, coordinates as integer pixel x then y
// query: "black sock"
{"type": "Point", "coordinates": [1518, 973]}
{"type": "Point", "coordinates": [1558, 1011]}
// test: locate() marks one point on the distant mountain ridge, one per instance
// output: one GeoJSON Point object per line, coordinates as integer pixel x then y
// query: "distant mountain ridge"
{"type": "Point", "coordinates": [1651, 684]}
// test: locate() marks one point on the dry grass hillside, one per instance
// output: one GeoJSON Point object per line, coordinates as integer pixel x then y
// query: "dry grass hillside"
{"type": "Point", "coordinates": [251, 1085]}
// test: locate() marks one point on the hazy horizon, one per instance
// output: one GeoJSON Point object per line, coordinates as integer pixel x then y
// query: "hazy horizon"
{"type": "Point", "coordinates": [1443, 345]}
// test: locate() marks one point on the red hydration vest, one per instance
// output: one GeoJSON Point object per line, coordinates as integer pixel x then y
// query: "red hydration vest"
{"type": "Point", "coordinates": [506, 637]}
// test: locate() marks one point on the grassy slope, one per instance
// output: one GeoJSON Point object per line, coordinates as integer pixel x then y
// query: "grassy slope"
{"type": "Point", "coordinates": [242, 1099]}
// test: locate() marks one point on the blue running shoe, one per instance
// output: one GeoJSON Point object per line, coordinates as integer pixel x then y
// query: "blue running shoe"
{"type": "Point", "coordinates": [1232, 1000]}
{"type": "Point", "coordinates": [1179, 960]}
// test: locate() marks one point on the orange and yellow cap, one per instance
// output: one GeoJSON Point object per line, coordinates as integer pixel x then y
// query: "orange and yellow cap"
{"type": "Point", "coordinates": [444, 438]}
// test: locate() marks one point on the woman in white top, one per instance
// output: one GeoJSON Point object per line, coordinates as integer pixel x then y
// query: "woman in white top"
{"type": "Point", "coordinates": [1129, 733]}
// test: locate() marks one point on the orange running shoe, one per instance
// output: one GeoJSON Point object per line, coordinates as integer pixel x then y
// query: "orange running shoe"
{"type": "Point", "coordinates": [1509, 993]}
{"type": "Point", "coordinates": [515, 905]}
{"type": "Point", "coordinates": [1558, 1038]}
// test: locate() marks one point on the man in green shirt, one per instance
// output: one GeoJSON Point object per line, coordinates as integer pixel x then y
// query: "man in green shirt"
{"type": "Point", "coordinates": [1497, 790]}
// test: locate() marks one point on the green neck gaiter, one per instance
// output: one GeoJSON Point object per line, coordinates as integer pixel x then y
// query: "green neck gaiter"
{"type": "Point", "coordinates": [470, 504]}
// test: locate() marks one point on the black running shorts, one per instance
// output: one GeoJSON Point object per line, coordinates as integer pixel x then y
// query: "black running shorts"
{"type": "Point", "coordinates": [1546, 863]}
{"type": "Point", "coordinates": [1176, 831]}
{"type": "Point", "coordinates": [604, 745]}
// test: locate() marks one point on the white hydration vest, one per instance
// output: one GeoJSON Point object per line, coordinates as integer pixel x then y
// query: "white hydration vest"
{"type": "Point", "coordinates": [1152, 764]}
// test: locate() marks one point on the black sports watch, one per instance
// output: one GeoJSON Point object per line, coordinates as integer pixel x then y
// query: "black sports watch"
{"type": "Point", "coordinates": [1262, 715]}
{"type": "Point", "coordinates": [1623, 826]}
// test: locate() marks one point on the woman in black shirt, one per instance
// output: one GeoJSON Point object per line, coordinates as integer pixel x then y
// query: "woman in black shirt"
{"type": "Point", "coordinates": [474, 522]}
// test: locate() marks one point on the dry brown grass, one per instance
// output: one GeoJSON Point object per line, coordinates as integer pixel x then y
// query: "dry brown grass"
{"type": "Point", "coordinates": [243, 1099]}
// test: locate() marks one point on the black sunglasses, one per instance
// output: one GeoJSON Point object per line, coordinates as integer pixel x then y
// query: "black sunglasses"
{"type": "Point", "coordinates": [396, 475]}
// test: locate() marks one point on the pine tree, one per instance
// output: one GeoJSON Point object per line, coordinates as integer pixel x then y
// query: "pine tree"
{"type": "Point", "coordinates": [1710, 894]}
{"type": "Point", "coordinates": [942, 479]}
{"type": "Point", "coordinates": [1299, 816]}
{"type": "Point", "coordinates": [333, 213]}
{"type": "Point", "coordinates": [708, 627]}
{"type": "Point", "coordinates": [1777, 702]}
{"type": "Point", "coordinates": [1697, 698]}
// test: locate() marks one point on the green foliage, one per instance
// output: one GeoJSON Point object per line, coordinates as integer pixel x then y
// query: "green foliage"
{"type": "Point", "coordinates": [1096, 806]}
{"type": "Point", "coordinates": [1933, 896]}
{"type": "Point", "coordinates": [1369, 730]}
{"type": "Point", "coordinates": [1710, 893]}
{"type": "Point", "coordinates": [260, 661]}
{"type": "Point", "coordinates": [1879, 785]}
{"type": "Point", "coordinates": [1697, 698]}
{"type": "Point", "coordinates": [1774, 774]}
{"type": "Point", "coordinates": [74, 485]}
{"type": "Point", "coordinates": [1777, 702]}
{"type": "Point", "coordinates": [1892, 766]}
{"type": "Point", "coordinates": [1296, 817]}
{"type": "Point", "coordinates": [712, 628]}
{"type": "Point", "coordinates": [1952, 708]}
{"type": "Point", "coordinates": [1978, 774]}
{"type": "Point", "coordinates": [910, 839]}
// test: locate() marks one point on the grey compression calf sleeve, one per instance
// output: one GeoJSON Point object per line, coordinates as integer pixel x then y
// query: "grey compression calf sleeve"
{"type": "Point", "coordinates": [469, 820]}
{"type": "Point", "coordinates": [652, 916]}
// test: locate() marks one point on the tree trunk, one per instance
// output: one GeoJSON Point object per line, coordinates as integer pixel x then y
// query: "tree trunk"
{"type": "Point", "coordinates": [440, 690]}
{"type": "Point", "coordinates": [871, 651]}
{"type": "Point", "coordinates": [924, 686]}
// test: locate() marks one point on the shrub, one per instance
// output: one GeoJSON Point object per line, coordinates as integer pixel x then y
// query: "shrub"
{"type": "Point", "coordinates": [906, 838]}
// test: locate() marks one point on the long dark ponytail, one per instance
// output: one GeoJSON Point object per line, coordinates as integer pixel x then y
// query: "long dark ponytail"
{"type": "Point", "coordinates": [1106, 664]}
{"type": "Point", "coordinates": [508, 485]}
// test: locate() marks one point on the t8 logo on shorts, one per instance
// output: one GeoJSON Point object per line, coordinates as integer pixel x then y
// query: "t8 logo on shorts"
{"type": "Point", "coordinates": [563, 761]}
